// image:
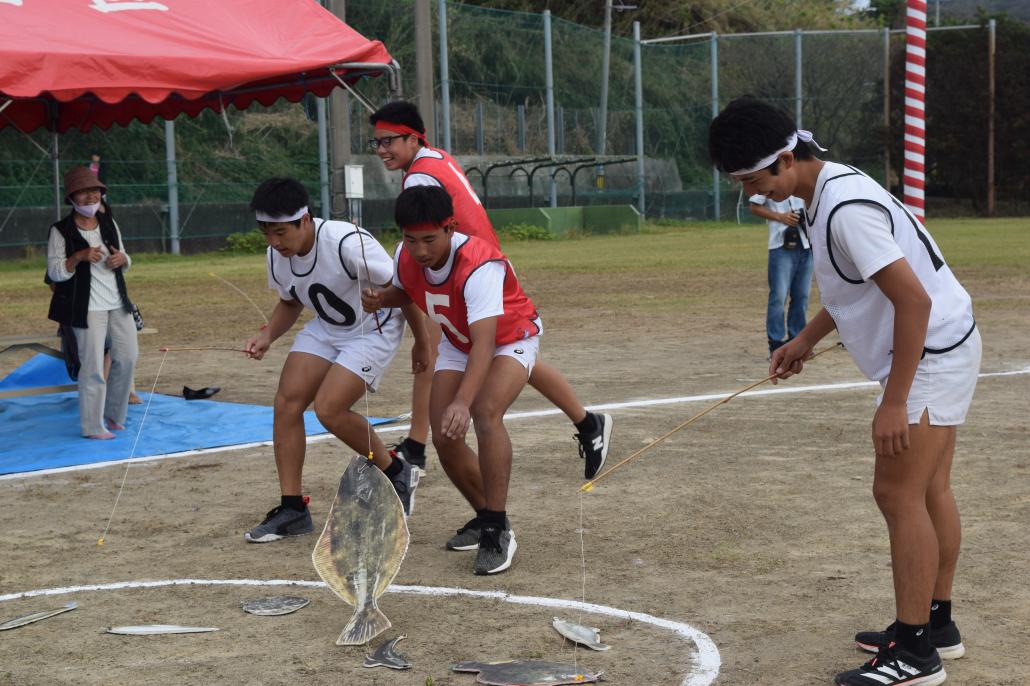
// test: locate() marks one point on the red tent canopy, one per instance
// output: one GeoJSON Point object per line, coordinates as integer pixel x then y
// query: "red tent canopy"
{"type": "Point", "coordinates": [76, 64]}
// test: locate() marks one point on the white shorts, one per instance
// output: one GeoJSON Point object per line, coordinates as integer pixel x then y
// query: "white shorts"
{"type": "Point", "coordinates": [366, 355]}
{"type": "Point", "coordinates": [525, 351]}
{"type": "Point", "coordinates": [943, 385]}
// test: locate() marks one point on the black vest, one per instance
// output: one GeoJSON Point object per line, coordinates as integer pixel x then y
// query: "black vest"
{"type": "Point", "coordinates": [70, 302]}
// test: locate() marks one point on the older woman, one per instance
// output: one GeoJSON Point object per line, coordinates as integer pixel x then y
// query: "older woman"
{"type": "Point", "coordinates": [85, 260]}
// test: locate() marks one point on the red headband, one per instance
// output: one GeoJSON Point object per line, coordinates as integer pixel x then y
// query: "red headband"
{"type": "Point", "coordinates": [429, 226]}
{"type": "Point", "coordinates": [402, 129]}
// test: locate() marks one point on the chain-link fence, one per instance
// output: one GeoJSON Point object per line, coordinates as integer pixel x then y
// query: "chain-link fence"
{"type": "Point", "coordinates": [498, 93]}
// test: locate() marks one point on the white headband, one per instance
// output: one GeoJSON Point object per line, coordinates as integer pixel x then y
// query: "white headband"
{"type": "Point", "coordinates": [800, 134]}
{"type": "Point", "coordinates": [266, 218]}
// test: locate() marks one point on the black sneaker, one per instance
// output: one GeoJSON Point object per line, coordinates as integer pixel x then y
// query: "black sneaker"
{"type": "Point", "coordinates": [467, 537]}
{"type": "Point", "coordinates": [405, 483]}
{"type": "Point", "coordinates": [409, 456]}
{"type": "Point", "coordinates": [946, 639]}
{"type": "Point", "coordinates": [496, 549]}
{"type": "Point", "coordinates": [281, 522]}
{"type": "Point", "coordinates": [893, 667]}
{"type": "Point", "coordinates": [593, 447]}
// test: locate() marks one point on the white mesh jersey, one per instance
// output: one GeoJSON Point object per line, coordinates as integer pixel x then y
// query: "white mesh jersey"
{"type": "Point", "coordinates": [857, 228]}
{"type": "Point", "coordinates": [330, 277]}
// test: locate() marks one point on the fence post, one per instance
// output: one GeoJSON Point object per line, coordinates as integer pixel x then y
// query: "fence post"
{"type": "Point", "coordinates": [445, 79]}
{"type": "Point", "coordinates": [323, 159]}
{"type": "Point", "coordinates": [520, 111]}
{"type": "Point", "coordinates": [549, 83]}
{"type": "Point", "coordinates": [715, 113]}
{"type": "Point", "coordinates": [480, 146]}
{"type": "Point", "coordinates": [559, 130]}
{"type": "Point", "coordinates": [887, 107]}
{"type": "Point", "coordinates": [173, 186]}
{"type": "Point", "coordinates": [797, 77]}
{"type": "Point", "coordinates": [638, 97]}
{"type": "Point", "coordinates": [992, 29]}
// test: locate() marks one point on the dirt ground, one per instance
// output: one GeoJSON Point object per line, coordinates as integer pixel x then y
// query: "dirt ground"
{"type": "Point", "coordinates": [756, 525]}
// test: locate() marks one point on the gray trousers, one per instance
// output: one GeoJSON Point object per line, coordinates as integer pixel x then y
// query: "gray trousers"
{"type": "Point", "coordinates": [114, 329]}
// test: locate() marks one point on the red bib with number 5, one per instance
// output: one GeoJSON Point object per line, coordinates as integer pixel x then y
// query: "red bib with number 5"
{"type": "Point", "coordinates": [444, 303]}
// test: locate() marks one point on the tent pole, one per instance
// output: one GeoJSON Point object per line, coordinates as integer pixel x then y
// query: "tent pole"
{"type": "Point", "coordinates": [173, 186]}
{"type": "Point", "coordinates": [55, 155]}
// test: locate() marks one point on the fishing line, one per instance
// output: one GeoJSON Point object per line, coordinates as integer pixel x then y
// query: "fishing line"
{"type": "Point", "coordinates": [241, 292]}
{"type": "Point", "coordinates": [203, 347]}
{"type": "Point", "coordinates": [132, 453]}
{"type": "Point", "coordinates": [589, 485]}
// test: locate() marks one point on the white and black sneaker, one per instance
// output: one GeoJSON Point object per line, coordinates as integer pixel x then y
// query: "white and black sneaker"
{"type": "Point", "coordinates": [893, 667]}
{"type": "Point", "coordinates": [405, 482]}
{"type": "Point", "coordinates": [281, 522]}
{"type": "Point", "coordinates": [467, 537]}
{"type": "Point", "coordinates": [408, 455]}
{"type": "Point", "coordinates": [496, 550]}
{"type": "Point", "coordinates": [593, 446]}
{"type": "Point", "coordinates": [946, 639]}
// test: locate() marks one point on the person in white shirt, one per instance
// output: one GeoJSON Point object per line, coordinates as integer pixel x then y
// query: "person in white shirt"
{"type": "Point", "coordinates": [86, 261]}
{"type": "Point", "coordinates": [790, 266]}
{"type": "Point", "coordinates": [338, 356]}
{"type": "Point", "coordinates": [908, 324]}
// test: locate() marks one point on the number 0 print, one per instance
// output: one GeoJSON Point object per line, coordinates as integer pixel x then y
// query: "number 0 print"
{"type": "Point", "coordinates": [321, 298]}
{"type": "Point", "coordinates": [438, 299]}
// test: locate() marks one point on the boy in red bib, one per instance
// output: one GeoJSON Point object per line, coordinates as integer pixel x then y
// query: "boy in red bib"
{"type": "Point", "coordinates": [491, 337]}
{"type": "Point", "coordinates": [400, 142]}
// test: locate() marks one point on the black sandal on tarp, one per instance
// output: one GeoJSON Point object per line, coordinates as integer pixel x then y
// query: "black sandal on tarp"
{"type": "Point", "coordinates": [199, 394]}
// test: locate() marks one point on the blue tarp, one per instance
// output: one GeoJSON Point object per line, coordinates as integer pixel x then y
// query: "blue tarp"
{"type": "Point", "coordinates": [42, 431]}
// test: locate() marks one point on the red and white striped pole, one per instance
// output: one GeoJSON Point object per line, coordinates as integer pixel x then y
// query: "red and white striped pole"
{"type": "Point", "coordinates": [914, 177]}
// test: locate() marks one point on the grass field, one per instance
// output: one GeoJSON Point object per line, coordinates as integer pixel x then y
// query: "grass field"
{"type": "Point", "coordinates": [755, 525]}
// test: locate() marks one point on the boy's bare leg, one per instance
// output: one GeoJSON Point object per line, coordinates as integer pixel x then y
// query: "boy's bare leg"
{"type": "Point", "coordinates": [419, 430]}
{"type": "Point", "coordinates": [301, 376]}
{"type": "Point", "coordinates": [338, 393]}
{"type": "Point", "coordinates": [505, 381]}
{"type": "Point", "coordinates": [459, 461]}
{"type": "Point", "coordinates": [940, 503]}
{"type": "Point", "coordinates": [901, 486]}
{"type": "Point", "coordinates": [553, 385]}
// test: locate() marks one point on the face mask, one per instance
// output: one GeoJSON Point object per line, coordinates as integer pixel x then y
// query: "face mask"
{"type": "Point", "coordinates": [87, 210]}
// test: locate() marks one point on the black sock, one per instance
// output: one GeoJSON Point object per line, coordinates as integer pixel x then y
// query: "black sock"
{"type": "Point", "coordinates": [913, 638]}
{"type": "Point", "coordinates": [413, 447]}
{"type": "Point", "coordinates": [588, 424]}
{"type": "Point", "coordinates": [294, 502]}
{"type": "Point", "coordinates": [492, 518]}
{"type": "Point", "coordinates": [395, 467]}
{"type": "Point", "coordinates": [940, 613]}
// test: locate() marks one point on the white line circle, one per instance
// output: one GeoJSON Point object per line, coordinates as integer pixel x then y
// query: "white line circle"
{"type": "Point", "coordinates": [706, 661]}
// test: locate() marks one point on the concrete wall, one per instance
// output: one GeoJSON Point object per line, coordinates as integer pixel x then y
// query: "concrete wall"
{"type": "Point", "coordinates": [592, 219]}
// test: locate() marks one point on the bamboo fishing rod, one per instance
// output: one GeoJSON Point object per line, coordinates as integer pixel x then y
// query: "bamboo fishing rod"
{"type": "Point", "coordinates": [589, 485]}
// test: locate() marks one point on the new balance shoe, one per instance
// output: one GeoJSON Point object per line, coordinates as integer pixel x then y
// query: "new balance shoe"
{"type": "Point", "coordinates": [417, 461]}
{"type": "Point", "coordinates": [467, 537]}
{"type": "Point", "coordinates": [405, 483]}
{"type": "Point", "coordinates": [593, 446]}
{"type": "Point", "coordinates": [496, 550]}
{"type": "Point", "coordinates": [945, 639]}
{"type": "Point", "coordinates": [281, 522]}
{"type": "Point", "coordinates": [893, 667]}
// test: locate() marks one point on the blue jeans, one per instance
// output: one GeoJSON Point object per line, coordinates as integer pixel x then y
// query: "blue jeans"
{"type": "Point", "coordinates": [790, 271]}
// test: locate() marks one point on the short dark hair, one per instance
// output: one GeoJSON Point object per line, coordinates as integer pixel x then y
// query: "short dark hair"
{"type": "Point", "coordinates": [280, 195]}
{"type": "Point", "coordinates": [747, 130]}
{"type": "Point", "coordinates": [422, 205]}
{"type": "Point", "coordinates": [399, 112]}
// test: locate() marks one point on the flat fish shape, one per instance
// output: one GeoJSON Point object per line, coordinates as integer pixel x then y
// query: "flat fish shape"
{"type": "Point", "coordinates": [386, 656]}
{"type": "Point", "coordinates": [274, 605]}
{"type": "Point", "coordinates": [36, 616]}
{"type": "Point", "coordinates": [526, 673]}
{"type": "Point", "coordinates": [588, 636]}
{"type": "Point", "coordinates": [152, 629]}
{"type": "Point", "coordinates": [361, 547]}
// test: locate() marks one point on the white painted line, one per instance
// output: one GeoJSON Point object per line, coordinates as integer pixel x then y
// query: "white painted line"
{"type": "Point", "coordinates": [392, 428]}
{"type": "Point", "coordinates": [706, 660]}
